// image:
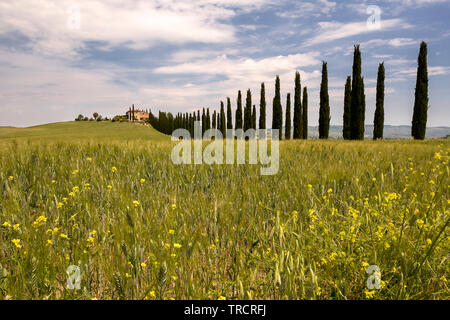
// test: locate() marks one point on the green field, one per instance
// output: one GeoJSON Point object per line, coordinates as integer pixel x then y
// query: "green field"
{"type": "Point", "coordinates": [106, 197]}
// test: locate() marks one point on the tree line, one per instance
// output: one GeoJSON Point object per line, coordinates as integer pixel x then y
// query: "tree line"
{"type": "Point", "coordinates": [297, 127]}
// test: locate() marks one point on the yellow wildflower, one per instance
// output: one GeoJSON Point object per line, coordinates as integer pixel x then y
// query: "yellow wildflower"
{"type": "Point", "coordinates": [40, 221]}
{"type": "Point", "coordinates": [17, 243]}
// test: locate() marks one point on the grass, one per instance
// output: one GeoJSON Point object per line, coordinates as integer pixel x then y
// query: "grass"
{"type": "Point", "coordinates": [83, 131]}
{"type": "Point", "coordinates": [107, 198]}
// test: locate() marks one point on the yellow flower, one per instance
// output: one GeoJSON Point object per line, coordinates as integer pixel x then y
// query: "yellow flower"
{"type": "Point", "coordinates": [127, 275]}
{"type": "Point", "coordinates": [49, 242]}
{"type": "Point", "coordinates": [6, 224]}
{"type": "Point", "coordinates": [177, 245]}
{"type": "Point", "coordinates": [11, 178]}
{"type": "Point", "coordinates": [369, 294]}
{"type": "Point", "coordinates": [171, 231]}
{"type": "Point", "coordinates": [143, 265]}
{"type": "Point", "coordinates": [89, 159]}
{"type": "Point", "coordinates": [17, 243]}
{"type": "Point", "coordinates": [109, 187]}
{"type": "Point", "coordinates": [420, 223]}
{"type": "Point", "coordinates": [53, 181]}
{"type": "Point", "coordinates": [64, 236]}
{"type": "Point", "coordinates": [136, 203]}
{"type": "Point", "coordinates": [40, 221]}
{"type": "Point", "coordinates": [16, 226]}
{"type": "Point", "coordinates": [60, 205]}
{"type": "Point", "coordinates": [142, 180]}
{"type": "Point", "coordinates": [374, 179]}
{"type": "Point", "coordinates": [113, 169]}
{"type": "Point", "coordinates": [387, 245]}
{"type": "Point", "coordinates": [309, 186]}
{"type": "Point", "coordinates": [221, 298]}
{"type": "Point", "coordinates": [429, 242]}
{"type": "Point", "coordinates": [174, 206]}
{"type": "Point", "coordinates": [75, 172]}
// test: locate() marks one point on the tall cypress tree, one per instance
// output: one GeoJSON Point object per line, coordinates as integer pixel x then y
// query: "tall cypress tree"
{"type": "Point", "coordinates": [254, 117]}
{"type": "Point", "coordinates": [277, 110]}
{"type": "Point", "coordinates": [378, 121]}
{"type": "Point", "coordinates": [347, 130]}
{"type": "Point", "coordinates": [363, 112]}
{"type": "Point", "coordinates": [229, 115]}
{"type": "Point", "coordinates": [419, 122]}
{"type": "Point", "coordinates": [324, 111]}
{"type": "Point", "coordinates": [357, 109]}
{"type": "Point", "coordinates": [298, 119]}
{"type": "Point", "coordinates": [287, 126]}
{"type": "Point", "coordinates": [208, 120]}
{"type": "Point", "coordinates": [238, 122]}
{"type": "Point", "coordinates": [305, 113]}
{"type": "Point", "coordinates": [222, 119]}
{"type": "Point", "coordinates": [262, 108]}
{"type": "Point", "coordinates": [248, 111]}
{"type": "Point", "coordinates": [214, 124]}
{"type": "Point", "coordinates": [203, 121]}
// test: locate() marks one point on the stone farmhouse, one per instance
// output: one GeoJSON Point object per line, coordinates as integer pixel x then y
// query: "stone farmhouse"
{"type": "Point", "coordinates": [136, 114]}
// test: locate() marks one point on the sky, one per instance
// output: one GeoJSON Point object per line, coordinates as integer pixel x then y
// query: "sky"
{"type": "Point", "coordinates": [62, 58]}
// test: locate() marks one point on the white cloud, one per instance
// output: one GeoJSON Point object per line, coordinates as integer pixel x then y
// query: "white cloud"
{"type": "Point", "coordinates": [52, 26]}
{"type": "Point", "coordinates": [330, 31]}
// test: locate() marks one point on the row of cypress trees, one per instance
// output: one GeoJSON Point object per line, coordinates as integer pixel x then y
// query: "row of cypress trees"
{"type": "Point", "coordinates": [354, 107]}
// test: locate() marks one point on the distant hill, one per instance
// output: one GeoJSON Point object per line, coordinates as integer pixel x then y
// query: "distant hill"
{"type": "Point", "coordinates": [390, 132]}
{"type": "Point", "coordinates": [96, 131]}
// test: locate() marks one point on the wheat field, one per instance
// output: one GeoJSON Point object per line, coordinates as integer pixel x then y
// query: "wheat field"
{"type": "Point", "coordinates": [109, 201]}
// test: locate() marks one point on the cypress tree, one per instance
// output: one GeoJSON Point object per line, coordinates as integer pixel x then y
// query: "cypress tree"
{"type": "Point", "coordinates": [254, 117]}
{"type": "Point", "coordinates": [203, 121]}
{"type": "Point", "coordinates": [347, 130]}
{"type": "Point", "coordinates": [262, 108]}
{"type": "Point", "coordinates": [248, 111]}
{"type": "Point", "coordinates": [378, 121]}
{"type": "Point", "coordinates": [324, 111]}
{"type": "Point", "coordinates": [287, 126]}
{"type": "Point", "coordinates": [277, 110]}
{"type": "Point", "coordinates": [229, 115]}
{"type": "Point", "coordinates": [305, 113]}
{"type": "Point", "coordinates": [208, 120]}
{"type": "Point", "coordinates": [419, 122]}
{"type": "Point", "coordinates": [363, 111]}
{"type": "Point", "coordinates": [298, 119]}
{"type": "Point", "coordinates": [238, 122]}
{"type": "Point", "coordinates": [222, 119]}
{"type": "Point", "coordinates": [214, 124]}
{"type": "Point", "coordinates": [357, 109]}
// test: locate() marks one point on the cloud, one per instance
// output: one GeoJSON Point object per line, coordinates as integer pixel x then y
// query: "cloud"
{"type": "Point", "coordinates": [64, 27]}
{"type": "Point", "coordinates": [243, 69]}
{"type": "Point", "coordinates": [331, 31]}
{"type": "Point", "coordinates": [304, 8]}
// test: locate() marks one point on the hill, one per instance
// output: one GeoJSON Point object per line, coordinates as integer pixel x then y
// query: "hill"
{"type": "Point", "coordinates": [84, 131]}
{"type": "Point", "coordinates": [390, 132]}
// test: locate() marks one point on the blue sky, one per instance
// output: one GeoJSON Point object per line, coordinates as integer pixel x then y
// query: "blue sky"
{"type": "Point", "coordinates": [62, 58]}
